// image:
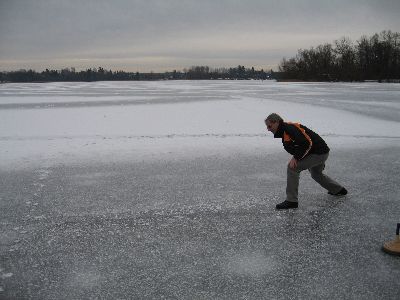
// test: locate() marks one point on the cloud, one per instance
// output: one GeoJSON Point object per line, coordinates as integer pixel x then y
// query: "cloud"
{"type": "Point", "coordinates": [63, 32]}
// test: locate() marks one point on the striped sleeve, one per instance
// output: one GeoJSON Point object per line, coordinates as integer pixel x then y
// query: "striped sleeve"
{"type": "Point", "coordinates": [300, 142]}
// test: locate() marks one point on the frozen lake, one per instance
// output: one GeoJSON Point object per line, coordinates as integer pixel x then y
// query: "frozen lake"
{"type": "Point", "coordinates": [151, 190]}
{"type": "Point", "coordinates": [59, 122]}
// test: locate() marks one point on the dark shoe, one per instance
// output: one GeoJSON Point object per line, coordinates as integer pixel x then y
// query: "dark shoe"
{"type": "Point", "coordinates": [286, 205]}
{"type": "Point", "coordinates": [342, 192]}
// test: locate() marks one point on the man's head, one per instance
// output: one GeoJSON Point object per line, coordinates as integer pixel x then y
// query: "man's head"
{"type": "Point", "coordinates": [272, 122]}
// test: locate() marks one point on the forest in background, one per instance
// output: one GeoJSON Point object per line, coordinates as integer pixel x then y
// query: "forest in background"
{"type": "Point", "coordinates": [369, 58]}
{"type": "Point", "coordinates": [101, 74]}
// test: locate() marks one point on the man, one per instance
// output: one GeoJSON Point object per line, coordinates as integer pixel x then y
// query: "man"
{"type": "Point", "coordinates": [309, 151]}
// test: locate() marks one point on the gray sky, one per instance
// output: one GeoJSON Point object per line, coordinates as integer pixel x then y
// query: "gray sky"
{"type": "Point", "coordinates": [161, 35]}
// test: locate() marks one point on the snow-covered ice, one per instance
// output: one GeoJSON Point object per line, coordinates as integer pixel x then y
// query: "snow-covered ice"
{"type": "Point", "coordinates": [167, 189]}
{"type": "Point", "coordinates": [70, 121]}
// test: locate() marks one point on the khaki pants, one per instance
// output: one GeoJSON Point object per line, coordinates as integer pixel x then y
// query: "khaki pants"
{"type": "Point", "coordinates": [315, 164]}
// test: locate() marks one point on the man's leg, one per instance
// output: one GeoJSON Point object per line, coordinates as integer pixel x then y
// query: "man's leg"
{"type": "Point", "coordinates": [325, 181]}
{"type": "Point", "coordinates": [292, 184]}
{"type": "Point", "coordinates": [293, 175]}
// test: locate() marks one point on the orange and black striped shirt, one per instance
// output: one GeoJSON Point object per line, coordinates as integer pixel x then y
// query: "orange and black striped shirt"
{"type": "Point", "coordinates": [300, 141]}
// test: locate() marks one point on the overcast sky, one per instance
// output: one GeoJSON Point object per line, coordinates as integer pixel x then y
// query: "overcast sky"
{"type": "Point", "coordinates": [161, 35]}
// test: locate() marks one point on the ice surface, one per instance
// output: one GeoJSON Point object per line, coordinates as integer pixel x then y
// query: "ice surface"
{"type": "Point", "coordinates": [151, 190]}
{"type": "Point", "coordinates": [183, 117]}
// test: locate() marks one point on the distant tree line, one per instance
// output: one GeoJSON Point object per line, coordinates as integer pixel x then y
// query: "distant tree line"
{"type": "Point", "coordinates": [101, 74]}
{"type": "Point", "coordinates": [370, 58]}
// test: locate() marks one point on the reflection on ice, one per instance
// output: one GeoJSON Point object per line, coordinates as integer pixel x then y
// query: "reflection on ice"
{"type": "Point", "coordinates": [250, 264]}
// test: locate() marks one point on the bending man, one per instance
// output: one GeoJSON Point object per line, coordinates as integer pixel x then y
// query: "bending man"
{"type": "Point", "coordinates": [309, 151]}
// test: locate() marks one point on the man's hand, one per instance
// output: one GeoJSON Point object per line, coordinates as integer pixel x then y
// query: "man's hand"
{"type": "Point", "coordinates": [293, 163]}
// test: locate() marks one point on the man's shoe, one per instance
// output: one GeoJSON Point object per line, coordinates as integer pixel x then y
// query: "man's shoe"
{"type": "Point", "coordinates": [342, 192]}
{"type": "Point", "coordinates": [286, 205]}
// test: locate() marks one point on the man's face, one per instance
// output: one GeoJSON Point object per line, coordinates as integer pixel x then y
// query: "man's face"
{"type": "Point", "coordinates": [272, 126]}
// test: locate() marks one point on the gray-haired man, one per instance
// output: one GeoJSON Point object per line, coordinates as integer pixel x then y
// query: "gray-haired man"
{"type": "Point", "coordinates": [309, 151]}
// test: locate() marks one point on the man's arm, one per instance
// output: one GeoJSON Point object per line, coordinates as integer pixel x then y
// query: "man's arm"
{"type": "Point", "coordinates": [300, 144]}
{"type": "Point", "coordinates": [293, 163]}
